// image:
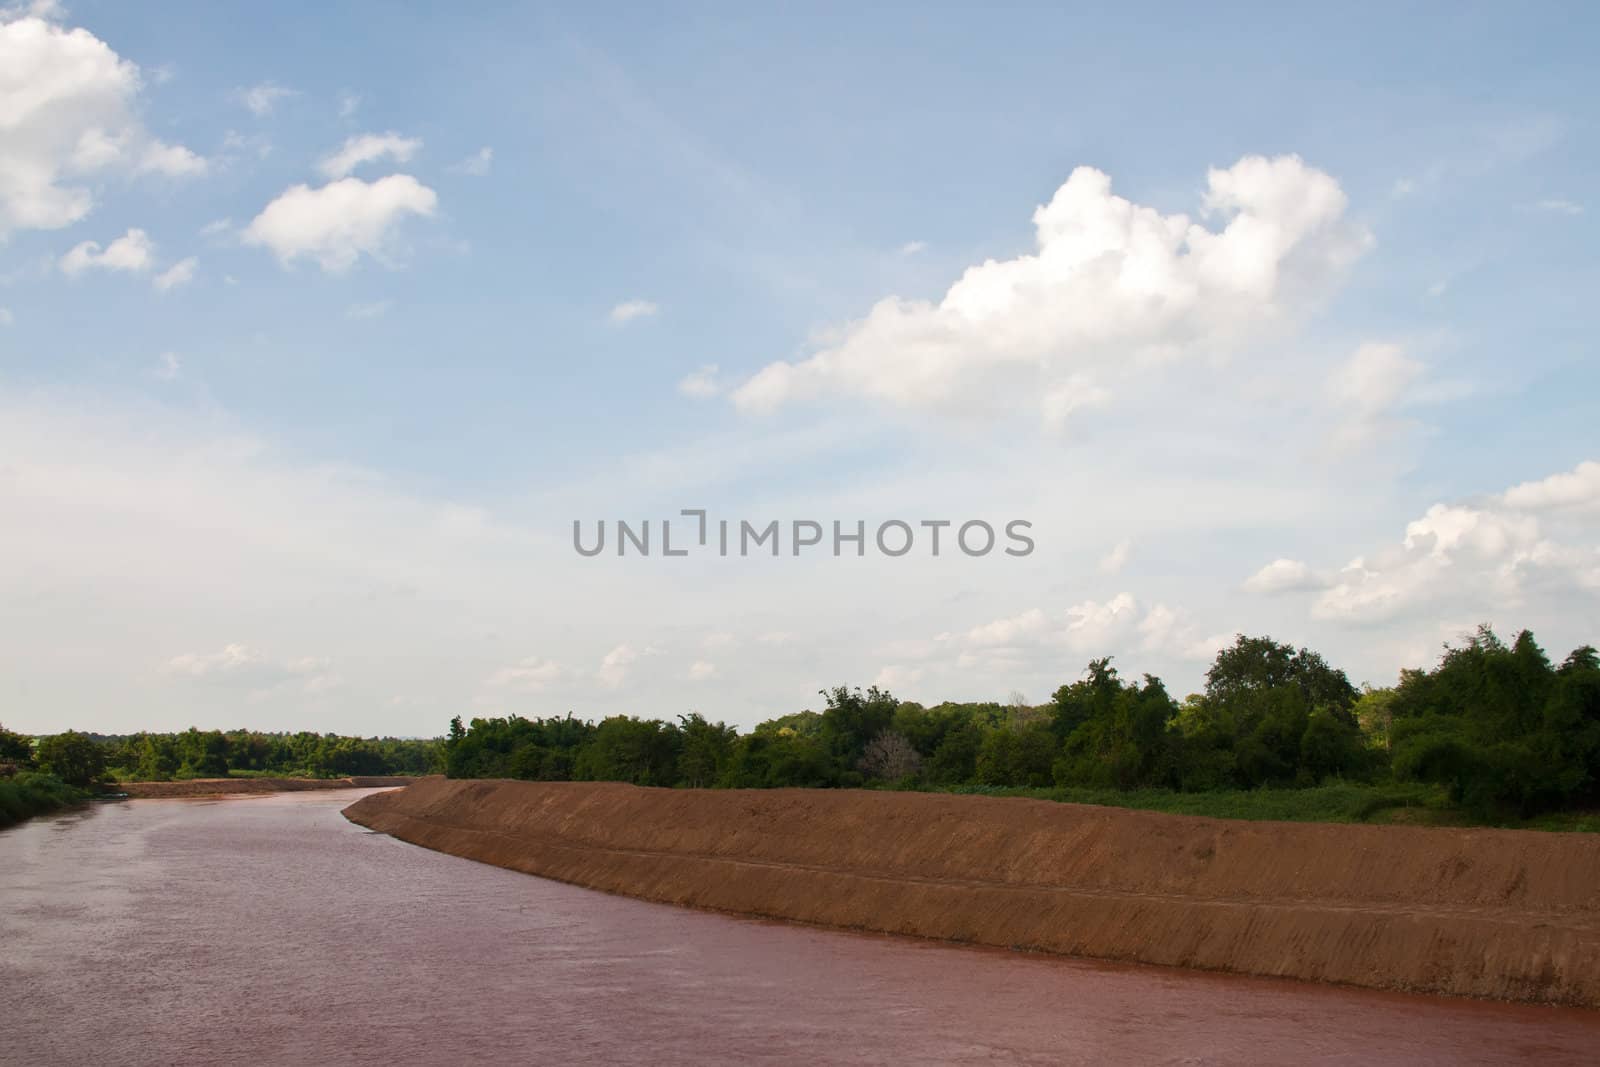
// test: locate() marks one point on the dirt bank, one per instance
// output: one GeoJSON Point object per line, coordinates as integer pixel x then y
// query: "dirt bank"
{"type": "Point", "coordinates": [205, 787]}
{"type": "Point", "coordinates": [1508, 914]}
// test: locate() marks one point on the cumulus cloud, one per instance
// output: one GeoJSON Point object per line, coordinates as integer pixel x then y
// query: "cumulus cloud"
{"type": "Point", "coordinates": [1110, 284]}
{"type": "Point", "coordinates": [368, 148]}
{"type": "Point", "coordinates": [1087, 628]}
{"type": "Point", "coordinates": [180, 273]}
{"type": "Point", "coordinates": [246, 667]}
{"type": "Point", "coordinates": [1367, 390]}
{"type": "Point", "coordinates": [530, 675]}
{"type": "Point", "coordinates": [475, 165]}
{"type": "Point", "coordinates": [1284, 576]}
{"type": "Point", "coordinates": [701, 383]}
{"type": "Point", "coordinates": [172, 160]}
{"type": "Point", "coordinates": [897, 677]}
{"type": "Point", "coordinates": [629, 310]}
{"type": "Point", "coordinates": [701, 670]}
{"type": "Point", "coordinates": [618, 663]}
{"type": "Point", "coordinates": [68, 116]}
{"type": "Point", "coordinates": [263, 99]}
{"type": "Point", "coordinates": [168, 367]}
{"type": "Point", "coordinates": [1532, 541]}
{"type": "Point", "coordinates": [1374, 378]}
{"type": "Point", "coordinates": [340, 222]}
{"type": "Point", "coordinates": [1113, 562]}
{"type": "Point", "coordinates": [132, 252]}
{"type": "Point", "coordinates": [1575, 490]}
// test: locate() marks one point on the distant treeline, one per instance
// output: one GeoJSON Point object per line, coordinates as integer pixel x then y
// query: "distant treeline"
{"type": "Point", "coordinates": [80, 759]}
{"type": "Point", "coordinates": [1504, 730]}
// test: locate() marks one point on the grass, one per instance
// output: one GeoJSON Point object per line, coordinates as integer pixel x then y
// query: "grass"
{"type": "Point", "coordinates": [28, 793]}
{"type": "Point", "coordinates": [1342, 802]}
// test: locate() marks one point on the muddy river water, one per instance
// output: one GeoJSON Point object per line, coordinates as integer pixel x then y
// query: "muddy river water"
{"type": "Point", "coordinates": [268, 930]}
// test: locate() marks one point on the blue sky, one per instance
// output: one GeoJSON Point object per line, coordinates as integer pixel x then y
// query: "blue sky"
{"type": "Point", "coordinates": [280, 461]}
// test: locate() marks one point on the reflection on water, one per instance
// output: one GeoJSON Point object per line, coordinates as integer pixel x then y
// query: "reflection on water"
{"type": "Point", "coordinates": [268, 930]}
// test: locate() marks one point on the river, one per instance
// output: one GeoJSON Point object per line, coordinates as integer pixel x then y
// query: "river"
{"type": "Point", "coordinates": [268, 930]}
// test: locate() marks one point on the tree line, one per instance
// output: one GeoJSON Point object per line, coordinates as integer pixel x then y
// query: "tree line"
{"type": "Point", "coordinates": [80, 759]}
{"type": "Point", "coordinates": [1502, 728]}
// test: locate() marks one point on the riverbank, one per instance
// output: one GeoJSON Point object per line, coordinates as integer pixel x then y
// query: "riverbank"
{"type": "Point", "coordinates": [205, 787]}
{"type": "Point", "coordinates": [27, 794]}
{"type": "Point", "coordinates": [1503, 914]}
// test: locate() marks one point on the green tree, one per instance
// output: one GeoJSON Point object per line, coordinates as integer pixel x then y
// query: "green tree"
{"type": "Point", "coordinates": [706, 750]}
{"type": "Point", "coordinates": [854, 718]}
{"type": "Point", "coordinates": [625, 749]}
{"type": "Point", "coordinates": [15, 748]}
{"type": "Point", "coordinates": [75, 758]}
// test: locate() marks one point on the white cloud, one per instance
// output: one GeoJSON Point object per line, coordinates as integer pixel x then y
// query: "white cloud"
{"type": "Point", "coordinates": [1037, 638]}
{"type": "Point", "coordinates": [263, 99]}
{"type": "Point", "coordinates": [1170, 632]}
{"type": "Point", "coordinates": [69, 112]}
{"type": "Point", "coordinates": [629, 310]}
{"type": "Point", "coordinates": [530, 675]}
{"type": "Point", "coordinates": [1559, 207]}
{"type": "Point", "coordinates": [618, 663]}
{"type": "Point", "coordinates": [701, 670]}
{"type": "Point", "coordinates": [172, 160]}
{"type": "Point", "coordinates": [180, 273]}
{"type": "Point", "coordinates": [701, 383]}
{"type": "Point", "coordinates": [1113, 562]}
{"type": "Point", "coordinates": [349, 104]}
{"type": "Point", "coordinates": [1575, 490]}
{"type": "Point", "coordinates": [6, 318]}
{"type": "Point", "coordinates": [1374, 378]}
{"type": "Point", "coordinates": [236, 144]}
{"type": "Point", "coordinates": [1368, 387]}
{"type": "Point", "coordinates": [341, 221]}
{"type": "Point", "coordinates": [169, 367]}
{"type": "Point", "coordinates": [216, 227]}
{"type": "Point", "coordinates": [1111, 285]}
{"type": "Point", "coordinates": [1009, 631]}
{"type": "Point", "coordinates": [898, 677]}
{"type": "Point", "coordinates": [1093, 627]}
{"type": "Point", "coordinates": [475, 165]}
{"type": "Point", "coordinates": [368, 148]}
{"type": "Point", "coordinates": [721, 639]}
{"type": "Point", "coordinates": [132, 252]}
{"type": "Point", "coordinates": [246, 667]}
{"type": "Point", "coordinates": [1284, 576]}
{"type": "Point", "coordinates": [1465, 558]}
{"type": "Point", "coordinates": [911, 248]}
{"type": "Point", "coordinates": [1438, 289]}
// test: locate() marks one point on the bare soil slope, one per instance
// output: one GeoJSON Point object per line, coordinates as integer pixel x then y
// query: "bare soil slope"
{"type": "Point", "coordinates": [205, 787]}
{"type": "Point", "coordinates": [1506, 914]}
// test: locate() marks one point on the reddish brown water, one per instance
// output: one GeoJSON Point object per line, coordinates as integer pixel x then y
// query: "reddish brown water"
{"type": "Point", "coordinates": [268, 930]}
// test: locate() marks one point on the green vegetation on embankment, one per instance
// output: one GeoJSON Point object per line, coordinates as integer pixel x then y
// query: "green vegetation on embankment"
{"type": "Point", "coordinates": [28, 793]}
{"type": "Point", "coordinates": [1494, 734]}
